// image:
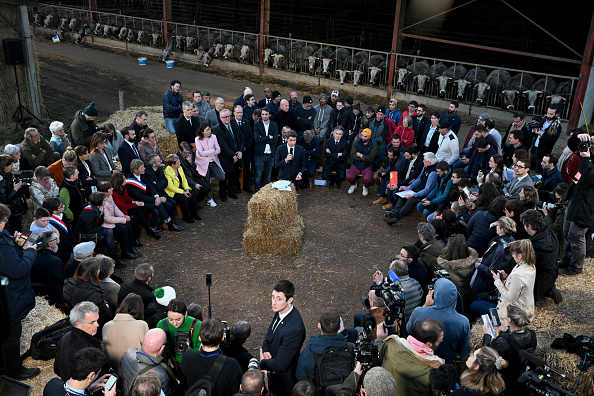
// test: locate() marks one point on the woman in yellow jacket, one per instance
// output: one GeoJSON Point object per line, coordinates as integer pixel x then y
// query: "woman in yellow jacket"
{"type": "Point", "coordinates": [179, 189]}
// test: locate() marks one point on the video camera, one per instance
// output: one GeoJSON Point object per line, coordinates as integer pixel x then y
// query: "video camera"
{"type": "Point", "coordinates": [25, 176]}
{"type": "Point", "coordinates": [537, 122]}
{"type": "Point", "coordinates": [393, 298]}
{"type": "Point", "coordinates": [437, 274]}
{"type": "Point", "coordinates": [366, 350]}
{"type": "Point", "coordinates": [538, 381]}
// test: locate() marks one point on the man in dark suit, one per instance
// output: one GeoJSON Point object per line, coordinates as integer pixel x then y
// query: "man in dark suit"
{"type": "Point", "coordinates": [141, 190]}
{"type": "Point", "coordinates": [154, 175]}
{"type": "Point", "coordinates": [128, 151]}
{"type": "Point", "coordinates": [265, 137]}
{"type": "Point", "coordinates": [186, 125]}
{"type": "Point", "coordinates": [420, 123]}
{"type": "Point", "coordinates": [230, 139]}
{"type": "Point", "coordinates": [214, 115]}
{"type": "Point", "coordinates": [429, 141]}
{"type": "Point", "coordinates": [283, 341]}
{"type": "Point", "coordinates": [290, 160]}
{"type": "Point", "coordinates": [335, 153]}
{"type": "Point", "coordinates": [248, 146]}
{"type": "Point", "coordinates": [267, 100]}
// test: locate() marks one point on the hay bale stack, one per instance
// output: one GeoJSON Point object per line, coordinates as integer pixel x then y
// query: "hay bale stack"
{"type": "Point", "coordinates": [167, 142]}
{"type": "Point", "coordinates": [273, 225]}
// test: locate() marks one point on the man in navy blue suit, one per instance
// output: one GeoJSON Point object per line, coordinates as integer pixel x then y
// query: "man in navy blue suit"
{"type": "Point", "coordinates": [280, 352]}
{"type": "Point", "coordinates": [290, 160]}
{"type": "Point", "coordinates": [128, 151]}
{"type": "Point", "coordinates": [265, 137]}
{"type": "Point", "coordinates": [335, 153]}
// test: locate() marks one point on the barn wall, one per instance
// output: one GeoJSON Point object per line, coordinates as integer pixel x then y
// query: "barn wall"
{"type": "Point", "coordinates": [588, 102]}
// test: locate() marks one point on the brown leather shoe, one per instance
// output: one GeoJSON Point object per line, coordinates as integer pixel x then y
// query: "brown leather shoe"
{"type": "Point", "coordinates": [164, 227]}
{"type": "Point", "coordinates": [380, 200]}
{"type": "Point", "coordinates": [387, 206]}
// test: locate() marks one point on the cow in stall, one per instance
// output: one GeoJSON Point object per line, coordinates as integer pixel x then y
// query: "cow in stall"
{"type": "Point", "coordinates": [73, 24]}
{"type": "Point", "coordinates": [267, 56]}
{"type": "Point", "coordinates": [81, 33]}
{"type": "Point", "coordinates": [37, 18]}
{"type": "Point", "coordinates": [132, 35]}
{"type": "Point", "coordinates": [106, 30]}
{"type": "Point", "coordinates": [412, 70]}
{"type": "Point", "coordinates": [377, 66]}
{"type": "Point", "coordinates": [431, 74]}
{"type": "Point", "coordinates": [493, 84]}
{"type": "Point", "coordinates": [342, 75]}
{"type": "Point", "coordinates": [543, 87]}
{"type": "Point", "coordinates": [123, 33]}
{"type": "Point", "coordinates": [180, 42]}
{"type": "Point", "coordinates": [561, 95]}
{"type": "Point", "coordinates": [518, 84]}
{"type": "Point", "coordinates": [444, 81]}
{"type": "Point", "coordinates": [63, 24]}
{"type": "Point", "coordinates": [143, 37]}
{"type": "Point", "coordinates": [316, 58]}
{"type": "Point", "coordinates": [229, 50]}
{"type": "Point", "coordinates": [98, 29]}
{"type": "Point", "coordinates": [204, 46]}
{"type": "Point", "coordinates": [336, 58]}
{"type": "Point", "coordinates": [156, 39]}
{"type": "Point", "coordinates": [279, 60]}
{"type": "Point", "coordinates": [167, 51]}
{"type": "Point", "coordinates": [246, 51]}
{"type": "Point", "coordinates": [48, 22]}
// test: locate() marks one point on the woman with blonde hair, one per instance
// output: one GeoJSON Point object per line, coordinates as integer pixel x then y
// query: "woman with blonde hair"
{"type": "Point", "coordinates": [179, 189]}
{"type": "Point", "coordinates": [519, 284]}
{"type": "Point", "coordinates": [482, 375]}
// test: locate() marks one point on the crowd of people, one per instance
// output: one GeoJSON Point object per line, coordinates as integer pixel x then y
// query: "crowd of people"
{"type": "Point", "coordinates": [502, 217]}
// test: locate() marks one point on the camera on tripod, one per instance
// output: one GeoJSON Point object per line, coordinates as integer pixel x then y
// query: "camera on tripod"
{"type": "Point", "coordinates": [393, 298]}
{"type": "Point", "coordinates": [366, 350]}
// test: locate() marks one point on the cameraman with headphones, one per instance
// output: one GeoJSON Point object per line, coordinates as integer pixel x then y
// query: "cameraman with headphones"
{"type": "Point", "coordinates": [580, 209]}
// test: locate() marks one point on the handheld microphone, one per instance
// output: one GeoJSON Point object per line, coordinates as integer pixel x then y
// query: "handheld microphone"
{"type": "Point", "coordinates": [393, 276]}
{"type": "Point", "coordinates": [541, 363]}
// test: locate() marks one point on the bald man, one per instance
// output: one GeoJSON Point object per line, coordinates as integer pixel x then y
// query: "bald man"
{"type": "Point", "coordinates": [135, 360]}
{"type": "Point", "coordinates": [285, 117]}
{"type": "Point", "coordinates": [252, 383]}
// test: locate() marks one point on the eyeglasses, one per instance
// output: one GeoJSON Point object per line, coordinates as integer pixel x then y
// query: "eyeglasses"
{"type": "Point", "coordinates": [225, 116]}
{"type": "Point", "coordinates": [403, 256]}
{"type": "Point", "coordinates": [520, 167]}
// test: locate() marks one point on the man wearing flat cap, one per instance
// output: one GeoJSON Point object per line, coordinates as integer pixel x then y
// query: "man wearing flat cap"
{"type": "Point", "coordinates": [306, 115]}
{"type": "Point", "coordinates": [79, 253]}
{"type": "Point", "coordinates": [83, 127]}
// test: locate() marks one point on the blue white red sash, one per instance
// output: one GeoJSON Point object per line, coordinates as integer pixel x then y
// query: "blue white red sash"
{"type": "Point", "coordinates": [57, 222]}
{"type": "Point", "coordinates": [136, 183]}
{"type": "Point", "coordinates": [88, 207]}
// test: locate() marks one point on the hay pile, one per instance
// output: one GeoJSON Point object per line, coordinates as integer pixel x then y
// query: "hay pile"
{"type": "Point", "coordinates": [167, 142]}
{"type": "Point", "coordinates": [40, 317]}
{"type": "Point", "coordinates": [574, 316]}
{"type": "Point", "coordinates": [273, 225]}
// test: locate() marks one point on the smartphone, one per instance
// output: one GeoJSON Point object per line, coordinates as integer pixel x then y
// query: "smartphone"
{"type": "Point", "coordinates": [24, 239]}
{"type": "Point", "coordinates": [494, 317]}
{"type": "Point", "coordinates": [208, 279]}
{"type": "Point", "coordinates": [467, 192]}
{"type": "Point", "coordinates": [111, 381]}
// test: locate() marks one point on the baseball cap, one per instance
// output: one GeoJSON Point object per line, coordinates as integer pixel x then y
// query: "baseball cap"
{"type": "Point", "coordinates": [335, 92]}
{"type": "Point", "coordinates": [366, 132]}
{"type": "Point", "coordinates": [484, 116]}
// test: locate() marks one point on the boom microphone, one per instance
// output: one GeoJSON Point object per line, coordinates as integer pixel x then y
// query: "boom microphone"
{"type": "Point", "coordinates": [541, 363]}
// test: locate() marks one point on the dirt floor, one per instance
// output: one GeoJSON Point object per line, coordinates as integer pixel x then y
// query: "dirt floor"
{"type": "Point", "coordinates": [345, 240]}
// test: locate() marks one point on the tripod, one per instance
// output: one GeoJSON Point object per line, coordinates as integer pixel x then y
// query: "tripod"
{"type": "Point", "coordinates": [18, 113]}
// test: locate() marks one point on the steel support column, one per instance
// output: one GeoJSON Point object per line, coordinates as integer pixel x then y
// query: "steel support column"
{"type": "Point", "coordinates": [584, 77]}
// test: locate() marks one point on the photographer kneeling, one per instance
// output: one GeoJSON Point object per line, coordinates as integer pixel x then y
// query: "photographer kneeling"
{"type": "Point", "coordinates": [182, 332]}
{"type": "Point", "coordinates": [580, 209]}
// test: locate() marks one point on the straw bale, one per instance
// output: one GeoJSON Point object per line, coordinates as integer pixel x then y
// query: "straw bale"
{"type": "Point", "coordinates": [167, 142]}
{"type": "Point", "coordinates": [273, 205]}
{"type": "Point", "coordinates": [573, 316]}
{"type": "Point", "coordinates": [273, 225]}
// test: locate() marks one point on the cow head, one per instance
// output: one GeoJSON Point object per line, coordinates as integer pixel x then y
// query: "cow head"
{"type": "Point", "coordinates": [106, 30]}
{"type": "Point", "coordinates": [228, 51]}
{"type": "Point", "coordinates": [311, 61]}
{"type": "Point", "coordinates": [267, 54]}
{"type": "Point", "coordinates": [37, 19]}
{"type": "Point", "coordinates": [421, 80]}
{"type": "Point", "coordinates": [556, 99]}
{"type": "Point", "coordinates": [98, 29]}
{"type": "Point", "coordinates": [141, 36]}
{"type": "Point", "coordinates": [509, 97]}
{"type": "Point", "coordinates": [481, 90]}
{"type": "Point", "coordinates": [73, 24]}
{"type": "Point", "coordinates": [532, 95]}
{"type": "Point", "coordinates": [357, 77]}
{"type": "Point", "coordinates": [442, 82]}
{"type": "Point", "coordinates": [207, 58]}
{"type": "Point", "coordinates": [190, 42]}
{"type": "Point", "coordinates": [123, 33]}
{"type": "Point", "coordinates": [326, 65]}
{"type": "Point", "coordinates": [245, 52]}
{"type": "Point", "coordinates": [131, 35]}
{"type": "Point", "coordinates": [179, 42]}
{"type": "Point", "coordinates": [342, 74]}
{"type": "Point", "coordinates": [277, 60]}
{"type": "Point", "coordinates": [461, 84]}
{"type": "Point", "coordinates": [48, 21]}
{"type": "Point", "coordinates": [217, 50]}
{"type": "Point", "coordinates": [374, 73]}
{"type": "Point", "coordinates": [156, 39]}
{"type": "Point", "coordinates": [402, 73]}
{"type": "Point", "coordinates": [63, 23]}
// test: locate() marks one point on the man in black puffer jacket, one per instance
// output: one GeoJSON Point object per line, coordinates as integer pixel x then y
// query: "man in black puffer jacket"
{"type": "Point", "coordinates": [546, 248]}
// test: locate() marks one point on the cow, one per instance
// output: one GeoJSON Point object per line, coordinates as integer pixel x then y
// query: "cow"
{"type": "Point", "coordinates": [157, 39]}
{"type": "Point", "coordinates": [143, 36]}
{"type": "Point", "coordinates": [411, 71]}
{"type": "Point", "coordinates": [374, 74]}
{"type": "Point", "coordinates": [493, 84]}
{"type": "Point", "coordinates": [342, 74]}
{"type": "Point", "coordinates": [229, 49]}
{"type": "Point", "coordinates": [98, 29]}
{"type": "Point", "coordinates": [179, 42]}
{"type": "Point", "coordinates": [48, 22]}
{"type": "Point", "coordinates": [421, 80]}
{"type": "Point", "coordinates": [63, 23]}
{"type": "Point", "coordinates": [106, 30]}
{"type": "Point", "coordinates": [73, 25]}
{"type": "Point", "coordinates": [461, 85]}
{"type": "Point", "coordinates": [246, 51]}
{"type": "Point", "coordinates": [518, 84]}
{"type": "Point", "coordinates": [131, 36]}
{"type": "Point", "coordinates": [37, 18]}
{"type": "Point", "coordinates": [190, 43]}
{"type": "Point", "coordinates": [357, 77]}
{"type": "Point", "coordinates": [80, 35]}
{"type": "Point", "coordinates": [311, 63]}
{"type": "Point", "coordinates": [279, 61]}
{"type": "Point", "coordinates": [543, 87]}
{"type": "Point", "coordinates": [476, 75]}
{"type": "Point", "coordinates": [267, 55]}
{"type": "Point", "coordinates": [217, 49]}
{"type": "Point", "coordinates": [455, 72]}
{"type": "Point", "coordinates": [336, 58]}
{"type": "Point", "coordinates": [123, 33]}
{"type": "Point", "coordinates": [561, 95]}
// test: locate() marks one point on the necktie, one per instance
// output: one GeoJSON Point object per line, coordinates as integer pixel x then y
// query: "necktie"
{"type": "Point", "coordinates": [291, 150]}
{"type": "Point", "coordinates": [135, 151]}
{"type": "Point", "coordinates": [284, 141]}
{"type": "Point", "coordinates": [336, 142]}
{"type": "Point", "coordinates": [275, 324]}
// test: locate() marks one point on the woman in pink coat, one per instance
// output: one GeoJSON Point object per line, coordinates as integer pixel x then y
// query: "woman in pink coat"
{"type": "Point", "coordinates": [116, 223]}
{"type": "Point", "coordinates": [207, 157]}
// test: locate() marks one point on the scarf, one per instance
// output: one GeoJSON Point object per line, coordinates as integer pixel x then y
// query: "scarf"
{"type": "Point", "coordinates": [419, 346]}
{"type": "Point", "coordinates": [60, 140]}
{"type": "Point", "coordinates": [47, 185]}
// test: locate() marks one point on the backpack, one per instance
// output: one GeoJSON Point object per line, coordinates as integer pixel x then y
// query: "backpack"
{"type": "Point", "coordinates": [516, 363]}
{"type": "Point", "coordinates": [333, 367]}
{"type": "Point", "coordinates": [205, 386]}
{"type": "Point", "coordinates": [44, 343]}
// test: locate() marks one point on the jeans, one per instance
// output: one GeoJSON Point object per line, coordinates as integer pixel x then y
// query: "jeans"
{"type": "Point", "coordinates": [263, 170]}
{"type": "Point", "coordinates": [170, 125]}
{"type": "Point", "coordinates": [481, 307]}
{"type": "Point", "coordinates": [426, 210]}
{"type": "Point", "coordinates": [404, 206]}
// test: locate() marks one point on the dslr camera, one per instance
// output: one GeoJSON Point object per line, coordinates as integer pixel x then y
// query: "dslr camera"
{"type": "Point", "coordinates": [583, 147]}
{"type": "Point", "coordinates": [25, 176]}
{"type": "Point", "coordinates": [181, 341]}
{"type": "Point", "coordinates": [537, 122]}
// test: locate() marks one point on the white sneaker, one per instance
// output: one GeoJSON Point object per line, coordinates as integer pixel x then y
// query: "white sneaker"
{"type": "Point", "coordinates": [211, 203]}
{"type": "Point", "coordinates": [365, 191]}
{"type": "Point", "coordinates": [352, 188]}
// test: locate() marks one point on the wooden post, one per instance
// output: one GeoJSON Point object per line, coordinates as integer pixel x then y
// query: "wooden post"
{"type": "Point", "coordinates": [121, 100]}
{"type": "Point", "coordinates": [166, 18]}
{"type": "Point", "coordinates": [264, 29]}
{"type": "Point", "coordinates": [582, 84]}
{"type": "Point", "coordinates": [395, 48]}
{"type": "Point", "coordinates": [32, 87]}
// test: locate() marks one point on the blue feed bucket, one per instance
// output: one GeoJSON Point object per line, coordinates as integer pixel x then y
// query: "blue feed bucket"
{"type": "Point", "coordinates": [169, 64]}
{"type": "Point", "coordinates": [142, 61]}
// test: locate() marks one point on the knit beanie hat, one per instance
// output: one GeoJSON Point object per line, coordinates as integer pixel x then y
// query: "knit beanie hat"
{"type": "Point", "coordinates": [164, 294]}
{"type": "Point", "coordinates": [91, 110]}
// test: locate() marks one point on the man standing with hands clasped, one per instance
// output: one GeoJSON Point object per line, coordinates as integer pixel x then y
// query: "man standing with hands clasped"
{"type": "Point", "coordinates": [280, 352]}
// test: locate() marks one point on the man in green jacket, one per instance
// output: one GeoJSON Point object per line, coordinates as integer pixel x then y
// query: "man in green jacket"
{"type": "Point", "coordinates": [36, 150]}
{"type": "Point", "coordinates": [83, 127]}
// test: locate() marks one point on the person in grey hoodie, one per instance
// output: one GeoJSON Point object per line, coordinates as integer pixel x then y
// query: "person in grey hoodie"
{"type": "Point", "coordinates": [329, 340]}
{"type": "Point", "coordinates": [441, 305]}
